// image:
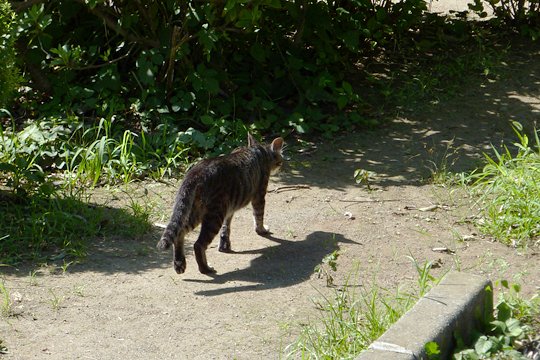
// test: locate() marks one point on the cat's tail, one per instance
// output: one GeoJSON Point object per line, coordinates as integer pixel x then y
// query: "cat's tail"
{"type": "Point", "coordinates": [180, 216]}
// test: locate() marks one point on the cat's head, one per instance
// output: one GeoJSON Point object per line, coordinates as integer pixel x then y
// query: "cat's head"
{"type": "Point", "coordinates": [274, 149]}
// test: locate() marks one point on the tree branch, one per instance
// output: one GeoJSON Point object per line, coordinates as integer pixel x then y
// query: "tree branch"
{"type": "Point", "coordinates": [112, 24]}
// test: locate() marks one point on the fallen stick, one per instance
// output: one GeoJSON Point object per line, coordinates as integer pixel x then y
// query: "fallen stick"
{"type": "Point", "coordinates": [289, 188]}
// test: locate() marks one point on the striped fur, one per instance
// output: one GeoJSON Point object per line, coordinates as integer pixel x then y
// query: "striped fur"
{"type": "Point", "coordinates": [212, 191]}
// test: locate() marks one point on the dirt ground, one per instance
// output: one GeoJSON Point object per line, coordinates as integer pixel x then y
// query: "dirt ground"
{"type": "Point", "coordinates": [124, 301]}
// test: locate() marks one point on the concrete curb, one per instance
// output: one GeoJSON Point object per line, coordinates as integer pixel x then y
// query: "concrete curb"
{"type": "Point", "coordinates": [458, 305]}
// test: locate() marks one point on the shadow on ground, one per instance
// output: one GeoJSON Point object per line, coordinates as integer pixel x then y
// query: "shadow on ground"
{"type": "Point", "coordinates": [105, 254]}
{"type": "Point", "coordinates": [450, 135]}
{"type": "Point", "coordinates": [286, 264]}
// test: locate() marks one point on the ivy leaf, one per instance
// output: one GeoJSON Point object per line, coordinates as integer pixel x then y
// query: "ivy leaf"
{"type": "Point", "coordinates": [483, 345]}
{"type": "Point", "coordinates": [342, 101]}
{"type": "Point", "coordinates": [258, 52]}
{"type": "Point", "coordinates": [351, 39]}
{"type": "Point", "coordinates": [504, 311]}
{"type": "Point", "coordinates": [514, 327]}
{"type": "Point", "coordinates": [207, 120]}
{"type": "Point", "coordinates": [347, 88]}
{"type": "Point", "coordinates": [432, 349]}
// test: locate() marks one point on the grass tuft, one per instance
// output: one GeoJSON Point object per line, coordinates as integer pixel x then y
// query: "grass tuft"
{"type": "Point", "coordinates": [354, 317]}
{"type": "Point", "coordinates": [509, 192]}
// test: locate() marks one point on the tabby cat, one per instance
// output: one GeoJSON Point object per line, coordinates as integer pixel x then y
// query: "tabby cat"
{"type": "Point", "coordinates": [210, 194]}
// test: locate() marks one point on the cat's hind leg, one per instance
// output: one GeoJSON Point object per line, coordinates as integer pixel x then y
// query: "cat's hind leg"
{"type": "Point", "coordinates": [224, 237]}
{"type": "Point", "coordinates": [179, 258]}
{"type": "Point", "coordinates": [209, 228]}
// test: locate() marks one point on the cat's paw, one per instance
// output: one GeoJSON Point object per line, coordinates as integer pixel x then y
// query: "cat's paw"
{"type": "Point", "coordinates": [262, 230]}
{"type": "Point", "coordinates": [207, 270]}
{"type": "Point", "coordinates": [224, 244]}
{"type": "Point", "coordinates": [225, 247]}
{"type": "Point", "coordinates": [179, 266]}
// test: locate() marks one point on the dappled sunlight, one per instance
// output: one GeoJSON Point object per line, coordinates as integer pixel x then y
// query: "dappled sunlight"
{"type": "Point", "coordinates": [452, 134]}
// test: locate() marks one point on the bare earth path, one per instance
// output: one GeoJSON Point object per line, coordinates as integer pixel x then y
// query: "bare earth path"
{"type": "Point", "coordinates": [124, 301]}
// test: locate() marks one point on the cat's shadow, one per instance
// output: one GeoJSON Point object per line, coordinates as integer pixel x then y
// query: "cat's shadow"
{"type": "Point", "coordinates": [282, 265]}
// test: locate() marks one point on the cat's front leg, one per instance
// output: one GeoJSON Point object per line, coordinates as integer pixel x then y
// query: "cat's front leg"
{"type": "Point", "coordinates": [258, 216]}
{"type": "Point", "coordinates": [224, 236]}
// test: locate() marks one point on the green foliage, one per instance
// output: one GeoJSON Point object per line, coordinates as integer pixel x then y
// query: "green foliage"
{"type": "Point", "coordinates": [34, 226]}
{"type": "Point", "coordinates": [143, 88]}
{"type": "Point", "coordinates": [515, 316]}
{"type": "Point", "coordinates": [206, 65]}
{"type": "Point", "coordinates": [362, 176]}
{"type": "Point", "coordinates": [5, 303]}
{"type": "Point", "coordinates": [522, 15]}
{"type": "Point", "coordinates": [9, 74]}
{"type": "Point", "coordinates": [88, 155]}
{"type": "Point", "coordinates": [19, 165]}
{"type": "Point", "coordinates": [432, 350]}
{"type": "Point", "coordinates": [354, 317]}
{"type": "Point", "coordinates": [46, 211]}
{"type": "Point", "coordinates": [329, 262]}
{"type": "Point", "coordinates": [510, 193]}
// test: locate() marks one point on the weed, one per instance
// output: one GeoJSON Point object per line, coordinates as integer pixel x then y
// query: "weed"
{"type": "Point", "coordinates": [354, 317]}
{"type": "Point", "coordinates": [440, 168]}
{"type": "Point", "coordinates": [65, 266]}
{"type": "Point", "coordinates": [79, 290]}
{"type": "Point", "coordinates": [329, 262]}
{"type": "Point", "coordinates": [5, 300]}
{"type": "Point", "coordinates": [362, 176]}
{"type": "Point", "coordinates": [509, 193]}
{"type": "Point", "coordinates": [55, 301]}
{"type": "Point", "coordinates": [62, 224]}
{"type": "Point", "coordinates": [425, 279]}
{"type": "Point", "coordinates": [515, 319]}
{"type": "Point", "coordinates": [33, 278]}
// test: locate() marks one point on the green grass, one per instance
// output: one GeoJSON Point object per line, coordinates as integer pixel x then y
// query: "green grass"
{"type": "Point", "coordinates": [47, 171]}
{"type": "Point", "coordinates": [60, 226]}
{"type": "Point", "coordinates": [354, 317]}
{"type": "Point", "coordinates": [5, 300]}
{"type": "Point", "coordinates": [508, 190]}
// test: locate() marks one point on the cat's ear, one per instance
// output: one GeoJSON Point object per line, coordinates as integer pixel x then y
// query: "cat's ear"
{"type": "Point", "coordinates": [277, 144]}
{"type": "Point", "coordinates": [251, 140]}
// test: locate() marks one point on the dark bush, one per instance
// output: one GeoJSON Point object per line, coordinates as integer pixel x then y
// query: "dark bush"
{"type": "Point", "coordinates": [216, 66]}
{"type": "Point", "coordinates": [9, 75]}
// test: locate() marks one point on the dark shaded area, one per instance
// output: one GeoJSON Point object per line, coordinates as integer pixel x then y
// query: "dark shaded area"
{"type": "Point", "coordinates": [453, 134]}
{"type": "Point", "coordinates": [286, 264]}
{"type": "Point", "coordinates": [126, 255]}
{"type": "Point", "coordinates": [450, 135]}
{"type": "Point", "coordinates": [71, 233]}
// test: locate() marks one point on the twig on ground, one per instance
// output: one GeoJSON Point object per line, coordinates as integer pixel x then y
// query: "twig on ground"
{"type": "Point", "coordinates": [289, 188]}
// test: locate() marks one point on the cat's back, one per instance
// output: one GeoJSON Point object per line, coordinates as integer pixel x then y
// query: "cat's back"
{"type": "Point", "coordinates": [241, 168]}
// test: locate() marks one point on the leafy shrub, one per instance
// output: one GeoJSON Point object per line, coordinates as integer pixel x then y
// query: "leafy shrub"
{"type": "Point", "coordinates": [20, 153]}
{"type": "Point", "coordinates": [271, 65]}
{"type": "Point", "coordinates": [9, 75]}
{"type": "Point", "coordinates": [87, 155]}
{"type": "Point", "coordinates": [523, 15]}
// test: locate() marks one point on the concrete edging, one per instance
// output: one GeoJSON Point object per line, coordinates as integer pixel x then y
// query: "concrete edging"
{"type": "Point", "coordinates": [459, 304]}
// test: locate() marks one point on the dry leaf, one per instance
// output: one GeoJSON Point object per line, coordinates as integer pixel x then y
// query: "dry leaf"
{"type": "Point", "coordinates": [429, 208]}
{"type": "Point", "coordinates": [443, 250]}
